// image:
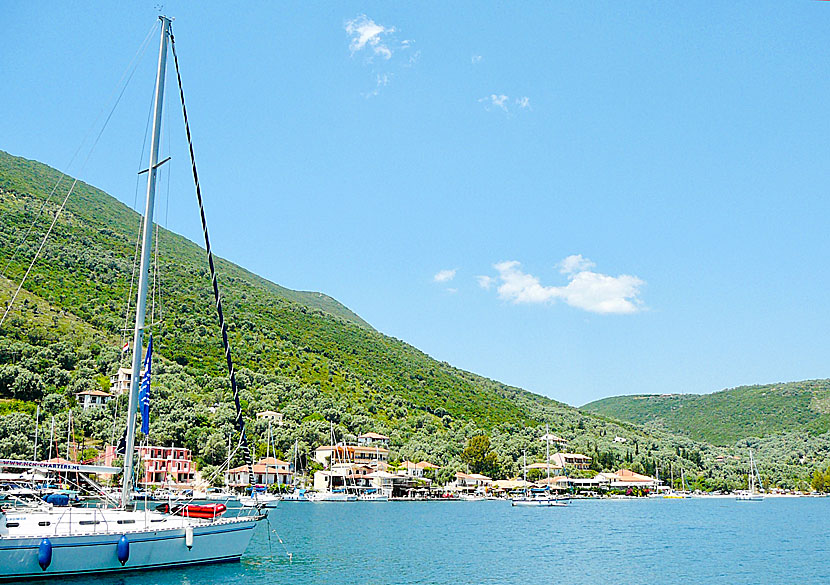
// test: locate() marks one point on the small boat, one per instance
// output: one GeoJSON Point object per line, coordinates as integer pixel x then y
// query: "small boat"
{"type": "Point", "coordinates": [297, 495]}
{"type": "Point", "coordinates": [206, 511]}
{"type": "Point", "coordinates": [538, 502]}
{"type": "Point", "coordinates": [471, 498]}
{"type": "Point", "coordinates": [372, 495]}
{"type": "Point", "coordinates": [259, 498]}
{"type": "Point", "coordinates": [221, 495]}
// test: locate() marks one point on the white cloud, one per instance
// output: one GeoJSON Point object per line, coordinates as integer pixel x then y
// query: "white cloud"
{"type": "Point", "coordinates": [485, 282]}
{"type": "Point", "coordinates": [445, 275]}
{"type": "Point", "coordinates": [496, 101]}
{"type": "Point", "coordinates": [366, 32]}
{"type": "Point", "coordinates": [476, 59]}
{"type": "Point", "coordinates": [503, 102]}
{"type": "Point", "coordinates": [575, 263]}
{"type": "Point", "coordinates": [586, 290]}
{"type": "Point", "coordinates": [383, 54]}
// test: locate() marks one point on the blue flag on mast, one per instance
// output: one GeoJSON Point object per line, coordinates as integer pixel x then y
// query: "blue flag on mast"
{"type": "Point", "coordinates": [144, 391]}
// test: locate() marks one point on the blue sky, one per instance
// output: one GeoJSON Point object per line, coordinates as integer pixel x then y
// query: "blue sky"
{"type": "Point", "coordinates": [580, 199]}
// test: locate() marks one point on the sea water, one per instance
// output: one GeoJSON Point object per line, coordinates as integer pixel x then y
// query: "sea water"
{"type": "Point", "coordinates": [705, 540]}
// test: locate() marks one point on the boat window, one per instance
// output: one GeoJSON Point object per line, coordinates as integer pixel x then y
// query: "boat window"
{"type": "Point", "coordinates": [126, 521]}
{"type": "Point", "coordinates": [89, 522]}
{"type": "Point", "coordinates": [46, 523]}
{"type": "Point", "coordinates": [12, 524]}
{"type": "Point", "coordinates": [157, 519]}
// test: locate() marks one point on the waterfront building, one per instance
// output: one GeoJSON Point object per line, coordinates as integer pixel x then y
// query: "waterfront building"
{"type": "Point", "coordinates": [368, 439]}
{"type": "Point", "coordinates": [471, 481]}
{"type": "Point", "coordinates": [625, 478]}
{"type": "Point", "coordinates": [412, 469]}
{"type": "Point", "coordinates": [93, 398]}
{"type": "Point", "coordinates": [370, 455]}
{"type": "Point", "coordinates": [168, 466]}
{"type": "Point", "coordinates": [267, 471]}
{"type": "Point", "coordinates": [575, 460]}
{"type": "Point", "coordinates": [341, 476]}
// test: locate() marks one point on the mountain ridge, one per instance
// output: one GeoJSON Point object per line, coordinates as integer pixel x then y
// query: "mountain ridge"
{"type": "Point", "coordinates": [301, 353]}
{"type": "Point", "coordinates": [758, 410]}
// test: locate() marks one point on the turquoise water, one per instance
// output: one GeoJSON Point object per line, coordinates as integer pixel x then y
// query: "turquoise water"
{"type": "Point", "coordinates": [592, 541]}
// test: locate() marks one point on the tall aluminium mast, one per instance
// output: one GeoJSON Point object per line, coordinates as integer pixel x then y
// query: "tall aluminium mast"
{"type": "Point", "coordinates": [143, 280]}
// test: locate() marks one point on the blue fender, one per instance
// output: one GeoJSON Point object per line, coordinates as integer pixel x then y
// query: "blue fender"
{"type": "Point", "coordinates": [44, 553]}
{"type": "Point", "coordinates": [122, 549]}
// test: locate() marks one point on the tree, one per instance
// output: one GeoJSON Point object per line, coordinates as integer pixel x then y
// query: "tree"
{"type": "Point", "coordinates": [479, 457]}
{"type": "Point", "coordinates": [819, 483]}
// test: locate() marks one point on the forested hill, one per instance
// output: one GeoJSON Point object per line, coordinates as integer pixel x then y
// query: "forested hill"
{"type": "Point", "coordinates": [722, 418]}
{"type": "Point", "coordinates": [86, 268]}
{"type": "Point", "coordinates": [301, 353]}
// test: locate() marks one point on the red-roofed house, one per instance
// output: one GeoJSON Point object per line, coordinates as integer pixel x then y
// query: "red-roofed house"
{"type": "Point", "coordinates": [267, 471]}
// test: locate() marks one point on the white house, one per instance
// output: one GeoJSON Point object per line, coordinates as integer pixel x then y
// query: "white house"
{"type": "Point", "coordinates": [471, 481]}
{"type": "Point", "coordinates": [576, 460]}
{"type": "Point", "coordinates": [272, 415]}
{"type": "Point", "coordinates": [412, 469]}
{"type": "Point", "coordinates": [267, 471]}
{"type": "Point", "coordinates": [93, 398]}
{"type": "Point", "coordinates": [120, 382]}
{"type": "Point", "coordinates": [367, 439]}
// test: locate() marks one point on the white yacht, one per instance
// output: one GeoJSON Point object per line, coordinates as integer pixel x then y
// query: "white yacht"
{"type": "Point", "coordinates": [43, 541]}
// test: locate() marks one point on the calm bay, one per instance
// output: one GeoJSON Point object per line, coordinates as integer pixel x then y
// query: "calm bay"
{"type": "Point", "coordinates": [709, 540]}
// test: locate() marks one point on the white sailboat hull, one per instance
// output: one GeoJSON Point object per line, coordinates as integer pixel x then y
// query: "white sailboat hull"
{"type": "Point", "coordinates": [749, 497]}
{"type": "Point", "coordinates": [151, 549]}
{"type": "Point", "coordinates": [333, 497]}
{"type": "Point", "coordinates": [538, 502]}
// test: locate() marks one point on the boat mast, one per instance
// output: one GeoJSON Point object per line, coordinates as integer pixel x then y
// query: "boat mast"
{"type": "Point", "coordinates": [547, 451]}
{"type": "Point", "coordinates": [143, 280]}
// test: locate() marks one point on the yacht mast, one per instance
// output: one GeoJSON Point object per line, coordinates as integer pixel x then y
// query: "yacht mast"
{"type": "Point", "coordinates": [146, 245]}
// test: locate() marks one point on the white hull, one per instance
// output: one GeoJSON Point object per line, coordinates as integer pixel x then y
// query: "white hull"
{"type": "Point", "coordinates": [294, 498]}
{"type": "Point", "coordinates": [333, 497]}
{"type": "Point", "coordinates": [161, 545]}
{"type": "Point", "coordinates": [538, 502]}
{"type": "Point", "coordinates": [262, 501]}
{"type": "Point", "coordinates": [373, 498]}
{"type": "Point", "coordinates": [749, 497]}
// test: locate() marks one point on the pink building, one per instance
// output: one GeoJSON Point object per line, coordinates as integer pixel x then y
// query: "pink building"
{"type": "Point", "coordinates": [170, 466]}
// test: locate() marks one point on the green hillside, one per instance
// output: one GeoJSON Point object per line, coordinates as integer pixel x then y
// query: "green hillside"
{"type": "Point", "coordinates": [301, 353]}
{"type": "Point", "coordinates": [722, 418]}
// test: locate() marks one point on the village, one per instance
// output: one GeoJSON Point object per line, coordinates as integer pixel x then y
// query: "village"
{"type": "Point", "coordinates": [361, 469]}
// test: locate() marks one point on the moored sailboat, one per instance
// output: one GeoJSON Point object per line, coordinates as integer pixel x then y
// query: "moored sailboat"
{"type": "Point", "coordinates": [44, 540]}
{"type": "Point", "coordinates": [752, 494]}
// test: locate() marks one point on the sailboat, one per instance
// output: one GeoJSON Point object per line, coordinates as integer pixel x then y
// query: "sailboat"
{"type": "Point", "coordinates": [751, 495]}
{"type": "Point", "coordinates": [545, 500]}
{"type": "Point", "coordinates": [298, 494]}
{"type": "Point", "coordinates": [260, 497]}
{"type": "Point", "coordinates": [46, 540]}
{"type": "Point", "coordinates": [675, 495]}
